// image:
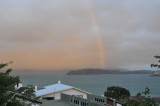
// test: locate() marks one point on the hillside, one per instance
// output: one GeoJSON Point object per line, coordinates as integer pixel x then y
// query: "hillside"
{"type": "Point", "coordinates": [105, 71]}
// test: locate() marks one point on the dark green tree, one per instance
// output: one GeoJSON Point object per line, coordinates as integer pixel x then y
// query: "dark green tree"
{"type": "Point", "coordinates": [29, 92]}
{"type": "Point", "coordinates": [7, 90]}
{"type": "Point", "coordinates": [132, 103]}
{"type": "Point", "coordinates": [7, 83]}
{"type": "Point", "coordinates": [117, 92]}
{"type": "Point", "coordinates": [146, 102]}
{"type": "Point", "coordinates": [146, 92]}
{"type": "Point", "coordinates": [139, 102]}
{"type": "Point", "coordinates": [156, 65]}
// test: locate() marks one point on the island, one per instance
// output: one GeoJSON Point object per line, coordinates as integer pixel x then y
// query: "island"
{"type": "Point", "coordinates": [155, 74]}
{"type": "Point", "coordinates": [106, 71]}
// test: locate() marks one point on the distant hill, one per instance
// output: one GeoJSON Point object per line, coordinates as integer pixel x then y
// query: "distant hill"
{"type": "Point", "coordinates": [106, 71]}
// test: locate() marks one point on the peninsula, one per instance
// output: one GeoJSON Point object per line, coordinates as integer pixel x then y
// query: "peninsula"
{"type": "Point", "coordinates": [106, 71]}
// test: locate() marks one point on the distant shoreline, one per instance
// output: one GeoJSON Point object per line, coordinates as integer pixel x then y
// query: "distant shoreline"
{"type": "Point", "coordinates": [106, 71]}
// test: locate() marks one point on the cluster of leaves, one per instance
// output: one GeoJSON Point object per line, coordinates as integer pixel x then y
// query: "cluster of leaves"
{"type": "Point", "coordinates": [156, 65]}
{"type": "Point", "coordinates": [7, 90]}
{"type": "Point", "coordinates": [122, 95]}
{"type": "Point", "coordinates": [29, 92]}
{"type": "Point", "coordinates": [147, 101]}
{"type": "Point", "coordinates": [7, 83]}
{"type": "Point", "coordinates": [117, 92]}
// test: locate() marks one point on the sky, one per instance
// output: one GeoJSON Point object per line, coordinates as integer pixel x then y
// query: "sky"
{"type": "Point", "coordinates": [77, 34]}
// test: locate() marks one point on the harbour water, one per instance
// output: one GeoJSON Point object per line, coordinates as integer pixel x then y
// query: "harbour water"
{"type": "Point", "coordinates": [97, 84]}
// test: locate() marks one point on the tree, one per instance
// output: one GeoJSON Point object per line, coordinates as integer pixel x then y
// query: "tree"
{"type": "Point", "coordinates": [132, 103]}
{"type": "Point", "coordinates": [7, 83]}
{"type": "Point", "coordinates": [7, 90]}
{"type": "Point", "coordinates": [146, 102]}
{"type": "Point", "coordinates": [146, 92]}
{"type": "Point", "coordinates": [29, 91]}
{"type": "Point", "coordinates": [156, 65]}
{"type": "Point", "coordinates": [139, 102]}
{"type": "Point", "coordinates": [117, 92]}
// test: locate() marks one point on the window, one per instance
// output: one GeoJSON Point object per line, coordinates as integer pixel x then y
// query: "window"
{"type": "Point", "coordinates": [48, 98]}
{"type": "Point", "coordinates": [84, 103]}
{"type": "Point", "coordinates": [95, 99]}
{"type": "Point", "coordinates": [99, 100]}
{"type": "Point", "coordinates": [71, 100]}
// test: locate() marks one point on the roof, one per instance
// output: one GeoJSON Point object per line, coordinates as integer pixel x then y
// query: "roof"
{"type": "Point", "coordinates": [137, 98]}
{"type": "Point", "coordinates": [156, 99]}
{"type": "Point", "coordinates": [55, 88]}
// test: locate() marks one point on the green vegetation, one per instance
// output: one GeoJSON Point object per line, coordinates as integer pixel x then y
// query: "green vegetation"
{"type": "Point", "coordinates": [117, 92]}
{"type": "Point", "coordinates": [8, 92]}
{"type": "Point", "coordinates": [146, 102]}
{"type": "Point", "coordinates": [138, 101]}
{"type": "Point", "coordinates": [156, 65]}
{"type": "Point", "coordinates": [123, 95]}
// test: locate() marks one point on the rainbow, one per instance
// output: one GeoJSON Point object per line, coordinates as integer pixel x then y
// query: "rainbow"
{"type": "Point", "coordinates": [99, 37]}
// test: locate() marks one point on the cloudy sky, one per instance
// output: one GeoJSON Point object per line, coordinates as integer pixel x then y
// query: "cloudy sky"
{"type": "Point", "coordinates": [76, 34]}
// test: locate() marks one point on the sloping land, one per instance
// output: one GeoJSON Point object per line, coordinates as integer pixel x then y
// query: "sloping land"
{"type": "Point", "coordinates": [105, 71]}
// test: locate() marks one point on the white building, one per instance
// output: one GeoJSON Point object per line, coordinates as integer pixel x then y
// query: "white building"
{"type": "Point", "coordinates": [53, 92]}
{"type": "Point", "coordinates": [17, 86]}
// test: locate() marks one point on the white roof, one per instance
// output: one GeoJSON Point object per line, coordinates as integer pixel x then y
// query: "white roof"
{"type": "Point", "coordinates": [55, 88]}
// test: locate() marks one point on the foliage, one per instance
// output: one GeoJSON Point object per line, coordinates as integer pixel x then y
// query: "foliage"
{"type": "Point", "coordinates": [29, 92]}
{"type": "Point", "coordinates": [7, 83]}
{"type": "Point", "coordinates": [14, 102]}
{"type": "Point", "coordinates": [156, 65]}
{"type": "Point", "coordinates": [146, 102]}
{"type": "Point", "coordinates": [117, 92]}
{"type": "Point", "coordinates": [146, 92]}
{"type": "Point", "coordinates": [138, 94]}
{"type": "Point", "coordinates": [7, 90]}
{"type": "Point", "coordinates": [140, 102]}
{"type": "Point", "coordinates": [132, 103]}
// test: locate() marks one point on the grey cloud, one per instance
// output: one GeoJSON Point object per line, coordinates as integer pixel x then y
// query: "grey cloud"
{"type": "Point", "coordinates": [130, 30]}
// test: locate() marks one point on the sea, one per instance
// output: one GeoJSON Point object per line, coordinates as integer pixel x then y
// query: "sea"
{"type": "Point", "coordinates": [96, 84]}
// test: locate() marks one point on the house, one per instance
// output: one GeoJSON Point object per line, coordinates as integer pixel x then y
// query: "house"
{"type": "Point", "coordinates": [113, 102]}
{"type": "Point", "coordinates": [137, 98]}
{"type": "Point", "coordinates": [155, 74]}
{"type": "Point", "coordinates": [53, 92]}
{"type": "Point", "coordinates": [92, 100]}
{"type": "Point", "coordinates": [102, 100]}
{"type": "Point", "coordinates": [61, 95]}
{"type": "Point", "coordinates": [17, 86]}
{"type": "Point", "coordinates": [71, 100]}
{"type": "Point", "coordinates": [156, 100]}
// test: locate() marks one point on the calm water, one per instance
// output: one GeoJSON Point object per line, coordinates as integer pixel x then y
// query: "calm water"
{"type": "Point", "coordinates": [97, 84]}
